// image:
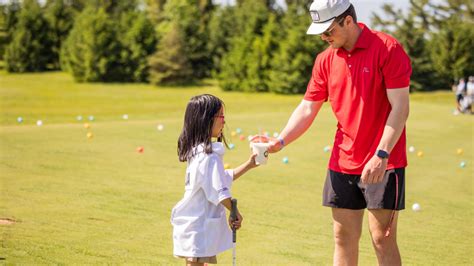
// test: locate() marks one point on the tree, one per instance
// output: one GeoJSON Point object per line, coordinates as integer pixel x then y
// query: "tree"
{"type": "Point", "coordinates": [452, 43]}
{"type": "Point", "coordinates": [222, 29]}
{"type": "Point", "coordinates": [437, 37]}
{"type": "Point", "coordinates": [61, 19]}
{"type": "Point", "coordinates": [188, 16]}
{"type": "Point", "coordinates": [292, 64]}
{"type": "Point", "coordinates": [139, 41]}
{"type": "Point", "coordinates": [170, 65]}
{"type": "Point", "coordinates": [92, 51]}
{"type": "Point", "coordinates": [250, 19]}
{"type": "Point", "coordinates": [8, 20]}
{"type": "Point", "coordinates": [30, 47]}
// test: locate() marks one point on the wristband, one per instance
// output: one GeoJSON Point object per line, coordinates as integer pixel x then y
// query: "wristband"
{"type": "Point", "coordinates": [282, 142]}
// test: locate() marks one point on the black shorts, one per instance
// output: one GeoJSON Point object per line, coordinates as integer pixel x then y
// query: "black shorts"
{"type": "Point", "coordinates": [347, 191]}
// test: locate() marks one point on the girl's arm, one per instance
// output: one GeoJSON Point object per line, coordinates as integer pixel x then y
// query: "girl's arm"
{"type": "Point", "coordinates": [243, 168]}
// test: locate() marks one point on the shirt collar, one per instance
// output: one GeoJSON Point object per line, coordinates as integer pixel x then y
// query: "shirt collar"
{"type": "Point", "coordinates": [217, 147]}
{"type": "Point", "coordinates": [363, 41]}
{"type": "Point", "coordinates": [364, 38]}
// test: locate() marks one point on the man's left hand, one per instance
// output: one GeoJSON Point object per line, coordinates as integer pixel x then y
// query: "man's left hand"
{"type": "Point", "coordinates": [374, 170]}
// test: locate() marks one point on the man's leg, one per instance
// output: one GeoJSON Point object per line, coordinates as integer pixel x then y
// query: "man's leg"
{"type": "Point", "coordinates": [386, 248]}
{"type": "Point", "coordinates": [347, 231]}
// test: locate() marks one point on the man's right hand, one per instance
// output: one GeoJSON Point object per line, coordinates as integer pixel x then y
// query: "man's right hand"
{"type": "Point", "coordinates": [275, 145]}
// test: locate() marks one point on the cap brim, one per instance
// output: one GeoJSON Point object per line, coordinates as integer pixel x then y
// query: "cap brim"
{"type": "Point", "coordinates": [318, 28]}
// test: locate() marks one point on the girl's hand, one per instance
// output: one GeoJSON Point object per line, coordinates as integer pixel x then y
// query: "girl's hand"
{"type": "Point", "coordinates": [237, 223]}
{"type": "Point", "coordinates": [251, 162]}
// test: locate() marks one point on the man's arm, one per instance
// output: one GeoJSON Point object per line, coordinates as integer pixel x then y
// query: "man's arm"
{"type": "Point", "coordinates": [301, 119]}
{"type": "Point", "coordinates": [374, 170]}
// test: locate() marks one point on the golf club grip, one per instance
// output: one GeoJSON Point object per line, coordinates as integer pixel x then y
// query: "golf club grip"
{"type": "Point", "coordinates": [233, 215]}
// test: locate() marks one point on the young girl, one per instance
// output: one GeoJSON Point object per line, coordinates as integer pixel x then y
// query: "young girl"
{"type": "Point", "coordinates": [199, 221]}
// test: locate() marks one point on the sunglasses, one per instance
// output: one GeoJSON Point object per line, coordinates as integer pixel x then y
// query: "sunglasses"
{"type": "Point", "coordinates": [328, 32]}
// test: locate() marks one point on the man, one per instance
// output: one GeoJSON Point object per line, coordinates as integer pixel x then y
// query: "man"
{"type": "Point", "coordinates": [365, 75]}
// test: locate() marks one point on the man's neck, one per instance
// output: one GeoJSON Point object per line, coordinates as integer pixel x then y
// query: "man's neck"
{"type": "Point", "coordinates": [354, 34]}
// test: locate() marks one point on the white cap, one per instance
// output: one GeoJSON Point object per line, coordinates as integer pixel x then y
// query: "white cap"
{"type": "Point", "coordinates": [323, 13]}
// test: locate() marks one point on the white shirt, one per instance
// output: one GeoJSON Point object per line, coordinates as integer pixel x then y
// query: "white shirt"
{"type": "Point", "coordinates": [470, 88]}
{"type": "Point", "coordinates": [200, 227]}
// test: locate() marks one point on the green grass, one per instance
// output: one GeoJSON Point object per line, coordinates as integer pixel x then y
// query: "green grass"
{"type": "Point", "coordinates": [98, 201]}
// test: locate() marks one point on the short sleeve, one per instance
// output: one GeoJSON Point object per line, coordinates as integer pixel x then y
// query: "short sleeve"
{"type": "Point", "coordinates": [317, 89]}
{"type": "Point", "coordinates": [216, 181]}
{"type": "Point", "coordinates": [397, 68]}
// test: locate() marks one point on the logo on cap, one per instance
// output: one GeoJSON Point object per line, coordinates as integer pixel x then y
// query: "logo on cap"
{"type": "Point", "coordinates": [314, 16]}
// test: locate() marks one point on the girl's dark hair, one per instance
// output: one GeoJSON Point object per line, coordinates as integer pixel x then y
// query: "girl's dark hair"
{"type": "Point", "coordinates": [197, 127]}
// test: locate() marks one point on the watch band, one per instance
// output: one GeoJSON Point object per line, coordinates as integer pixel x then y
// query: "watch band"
{"type": "Point", "coordinates": [382, 154]}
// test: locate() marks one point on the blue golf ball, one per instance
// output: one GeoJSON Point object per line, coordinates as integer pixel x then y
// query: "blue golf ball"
{"type": "Point", "coordinates": [285, 160]}
{"type": "Point", "coordinates": [231, 146]}
{"type": "Point", "coordinates": [238, 130]}
{"type": "Point", "coordinates": [462, 164]}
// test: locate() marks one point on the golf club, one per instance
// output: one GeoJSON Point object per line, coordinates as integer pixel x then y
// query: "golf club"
{"type": "Point", "coordinates": [233, 217]}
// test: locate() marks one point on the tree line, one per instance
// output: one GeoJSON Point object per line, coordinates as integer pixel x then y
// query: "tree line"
{"type": "Point", "coordinates": [253, 45]}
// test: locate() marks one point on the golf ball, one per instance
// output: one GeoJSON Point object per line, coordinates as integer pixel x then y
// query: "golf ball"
{"type": "Point", "coordinates": [419, 154]}
{"type": "Point", "coordinates": [91, 118]}
{"type": "Point", "coordinates": [79, 118]}
{"type": "Point", "coordinates": [140, 149]}
{"type": "Point", "coordinates": [160, 127]}
{"type": "Point", "coordinates": [242, 137]}
{"type": "Point", "coordinates": [238, 130]}
{"type": "Point", "coordinates": [285, 160]}
{"type": "Point", "coordinates": [125, 116]}
{"type": "Point", "coordinates": [39, 123]}
{"type": "Point", "coordinates": [276, 134]}
{"type": "Point", "coordinates": [416, 207]}
{"type": "Point", "coordinates": [459, 151]}
{"type": "Point", "coordinates": [411, 149]}
{"type": "Point", "coordinates": [226, 166]}
{"type": "Point", "coordinates": [233, 133]}
{"type": "Point", "coordinates": [231, 146]}
{"type": "Point", "coordinates": [327, 149]}
{"type": "Point", "coordinates": [462, 164]}
{"type": "Point", "coordinates": [90, 135]}
{"type": "Point", "coordinates": [19, 119]}
{"type": "Point", "coordinates": [86, 125]}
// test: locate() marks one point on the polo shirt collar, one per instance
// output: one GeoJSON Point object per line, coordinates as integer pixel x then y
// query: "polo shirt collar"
{"type": "Point", "coordinates": [364, 38]}
{"type": "Point", "coordinates": [217, 147]}
{"type": "Point", "coordinates": [363, 41]}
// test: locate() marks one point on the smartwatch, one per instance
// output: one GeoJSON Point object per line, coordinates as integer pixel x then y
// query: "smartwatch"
{"type": "Point", "coordinates": [382, 154]}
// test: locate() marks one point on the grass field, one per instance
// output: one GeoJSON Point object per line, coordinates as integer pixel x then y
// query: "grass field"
{"type": "Point", "coordinates": [99, 201]}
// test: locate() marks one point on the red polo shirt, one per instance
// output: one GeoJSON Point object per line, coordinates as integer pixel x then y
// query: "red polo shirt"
{"type": "Point", "coordinates": [355, 82]}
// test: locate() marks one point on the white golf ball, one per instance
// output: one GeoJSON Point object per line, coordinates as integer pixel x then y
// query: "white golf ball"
{"type": "Point", "coordinates": [19, 119]}
{"type": "Point", "coordinates": [79, 118]}
{"type": "Point", "coordinates": [411, 149]}
{"type": "Point", "coordinates": [276, 134]}
{"type": "Point", "coordinates": [39, 123]}
{"type": "Point", "coordinates": [416, 207]}
{"type": "Point", "coordinates": [160, 127]}
{"type": "Point", "coordinates": [125, 116]}
{"type": "Point", "coordinates": [91, 118]}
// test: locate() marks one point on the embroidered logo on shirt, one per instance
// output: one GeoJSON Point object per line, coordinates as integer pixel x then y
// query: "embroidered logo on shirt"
{"type": "Point", "coordinates": [222, 189]}
{"type": "Point", "coordinates": [365, 70]}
